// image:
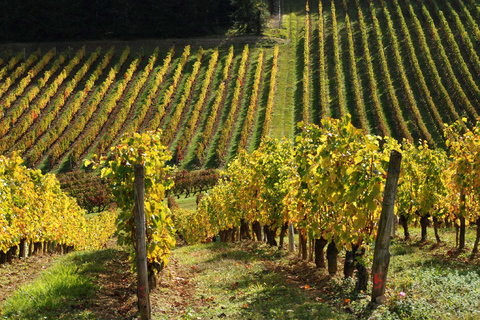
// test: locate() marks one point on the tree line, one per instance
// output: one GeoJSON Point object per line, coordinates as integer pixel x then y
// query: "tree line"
{"type": "Point", "coordinates": [49, 20]}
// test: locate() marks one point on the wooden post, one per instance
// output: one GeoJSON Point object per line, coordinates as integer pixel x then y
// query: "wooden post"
{"type": "Point", "coordinates": [381, 256]}
{"type": "Point", "coordinates": [291, 238]}
{"type": "Point", "coordinates": [461, 244]}
{"type": "Point", "coordinates": [143, 293]}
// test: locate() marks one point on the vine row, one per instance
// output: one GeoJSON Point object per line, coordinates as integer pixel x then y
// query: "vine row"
{"type": "Point", "coordinates": [26, 80]}
{"type": "Point", "coordinates": [271, 93]}
{"type": "Point", "coordinates": [401, 127]}
{"type": "Point", "coordinates": [427, 96]}
{"type": "Point", "coordinates": [147, 99]}
{"type": "Point", "coordinates": [88, 136]}
{"type": "Point", "coordinates": [67, 115]}
{"type": "Point", "coordinates": [464, 35]}
{"type": "Point", "coordinates": [466, 74]}
{"type": "Point", "coordinates": [321, 46]}
{"type": "Point", "coordinates": [208, 130]}
{"type": "Point", "coordinates": [172, 125]}
{"type": "Point", "coordinates": [249, 117]}
{"type": "Point", "coordinates": [412, 105]}
{"type": "Point", "coordinates": [338, 66]}
{"type": "Point", "coordinates": [160, 110]}
{"type": "Point", "coordinates": [18, 72]}
{"type": "Point", "coordinates": [228, 124]}
{"type": "Point", "coordinates": [359, 104]}
{"type": "Point", "coordinates": [448, 104]}
{"type": "Point", "coordinates": [379, 116]}
{"type": "Point", "coordinates": [457, 87]}
{"type": "Point", "coordinates": [75, 128]}
{"type": "Point", "coordinates": [306, 69]}
{"type": "Point", "coordinates": [127, 104]}
{"type": "Point", "coordinates": [192, 121]}
{"type": "Point", "coordinates": [20, 128]}
{"type": "Point", "coordinates": [11, 63]}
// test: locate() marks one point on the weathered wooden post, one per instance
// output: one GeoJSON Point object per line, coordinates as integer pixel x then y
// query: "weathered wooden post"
{"type": "Point", "coordinates": [381, 256]}
{"type": "Point", "coordinates": [461, 243]}
{"type": "Point", "coordinates": [291, 238]}
{"type": "Point", "coordinates": [143, 293]}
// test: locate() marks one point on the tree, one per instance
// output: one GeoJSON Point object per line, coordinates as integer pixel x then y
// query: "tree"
{"type": "Point", "coordinates": [249, 16]}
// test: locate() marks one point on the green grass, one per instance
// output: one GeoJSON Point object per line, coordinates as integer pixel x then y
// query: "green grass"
{"type": "Point", "coordinates": [189, 203]}
{"type": "Point", "coordinates": [237, 282]}
{"type": "Point", "coordinates": [438, 281]}
{"type": "Point", "coordinates": [63, 290]}
{"type": "Point", "coordinates": [251, 280]}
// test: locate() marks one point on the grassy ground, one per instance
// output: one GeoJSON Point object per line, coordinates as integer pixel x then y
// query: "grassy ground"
{"type": "Point", "coordinates": [246, 280]}
{"type": "Point", "coordinates": [189, 203]}
{"type": "Point", "coordinates": [80, 285]}
{"type": "Point", "coordinates": [240, 281]}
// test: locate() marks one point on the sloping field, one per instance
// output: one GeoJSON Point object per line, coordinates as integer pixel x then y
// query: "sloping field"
{"type": "Point", "coordinates": [400, 68]}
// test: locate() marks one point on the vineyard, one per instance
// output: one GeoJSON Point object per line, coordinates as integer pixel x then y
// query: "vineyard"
{"type": "Point", "coordinates": [399, 68]}
{"type": "Point", "coordinates": [272, 137]}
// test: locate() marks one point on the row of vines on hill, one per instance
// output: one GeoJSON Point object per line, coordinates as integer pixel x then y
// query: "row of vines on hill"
{"type": "Point", "coordinates": [54, 121]}
{"type": "Point", "coordinates": [206, 136]}
{"type": "Point", "coordinates": [411, 67]}
{"type": "Point", "coordinates": [43, 127]}
{"type": "Point", "coordinates": [441, 80]}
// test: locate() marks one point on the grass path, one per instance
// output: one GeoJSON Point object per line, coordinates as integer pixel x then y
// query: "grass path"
{"type": "Point", "coordinates": [240, 281]}
{"type": "Point", "coordinates": [245, 280]}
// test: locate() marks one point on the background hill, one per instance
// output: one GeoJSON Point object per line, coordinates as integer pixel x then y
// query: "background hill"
{"type": "Point", "coordinates": [400, 68]}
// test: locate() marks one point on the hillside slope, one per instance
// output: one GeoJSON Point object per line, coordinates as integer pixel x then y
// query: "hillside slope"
{"type": "Point", "coordinates": [400, 68]}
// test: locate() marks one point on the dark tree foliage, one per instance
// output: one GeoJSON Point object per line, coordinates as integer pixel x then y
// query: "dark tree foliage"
{"type": "Point", "coordinates": [250, 16]}
{"type": "Point", "coordinates": [32, 20]}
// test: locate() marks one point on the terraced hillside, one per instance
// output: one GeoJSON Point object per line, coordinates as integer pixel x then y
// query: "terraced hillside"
{"type": "Point", "coordinates": [402, 68]}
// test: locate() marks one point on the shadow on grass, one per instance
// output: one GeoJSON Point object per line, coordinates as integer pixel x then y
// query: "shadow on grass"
{"type": "Point", "coordinates": [298, 94]}
{"type": "Point", "coordinates": [260, 253]}
{"type": "Point", "coordinates": [65, 290]}
{"type": "Point", "coordinates": [315, 90]}
{"type": "Point", "coordinates": [272, 299]}
{"type": "Point", "coordinates": [264, 293]}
